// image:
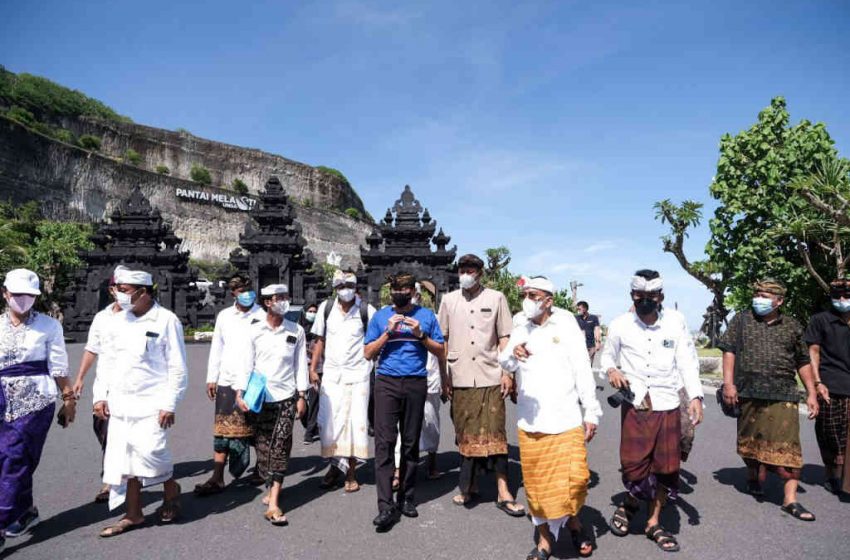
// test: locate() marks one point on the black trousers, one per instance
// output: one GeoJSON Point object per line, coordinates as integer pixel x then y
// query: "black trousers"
{"type": "Point", "coordinates": [310, 419]}
{"type": "Point", "coordinates": [399, 406]}
{"type": "Point", "coordinates": [101, 430]}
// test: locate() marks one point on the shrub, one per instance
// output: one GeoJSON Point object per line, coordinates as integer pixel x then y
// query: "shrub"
{"type": "Point", "coordinates": [239, 186]}
{"type": "Point", "coordinates": [90, 142]}
{"type": "Point", "coordinates": [182, 131]}
{"type": "Point", "coordinates": [21, 115]}
{"type": "Point", "coordinates": [353, 213]}
{"type": "Point", "coordinates": [163, 169]}
{"type": "Point", "coordinates": [65, 135]}
{"type": "Point", "coordinates": [335, 172]}
{"type": "Point", "coordinates": [132, 156]}
{"type": "Point", "coordinates": [200, 174]}
{"type": "Point", "coordinates": [306, 202]}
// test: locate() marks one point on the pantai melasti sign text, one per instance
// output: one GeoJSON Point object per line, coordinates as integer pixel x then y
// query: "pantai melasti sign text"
{"type": "Point", "coordinates": [226, 200]}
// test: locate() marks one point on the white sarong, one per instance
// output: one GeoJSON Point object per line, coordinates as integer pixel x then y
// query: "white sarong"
{"type": "Point", "coordinates": [344, 421]}
{"type": "Point", "coordinates": [135, 448]}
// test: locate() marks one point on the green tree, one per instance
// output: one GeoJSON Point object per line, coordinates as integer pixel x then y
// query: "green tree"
{"type": "Point", "coordinates": [132, 156]}
{"type": "Point", "coordinates": [21, 115]}
{"type": "Point", "coordinates": [200, 174]}
{"type": "Point", "coordinates": [754, 186]}
{"type": "Point", "coordinates": [239, 186]}
{"type": "Point", "coordinates": [353, 213]}
{"type": "Point", "coordinates": [54, 256]}
{"type": "Point", "coordinates": [90, 142]}
{"type": "Point", "coordinates": [163, 169]}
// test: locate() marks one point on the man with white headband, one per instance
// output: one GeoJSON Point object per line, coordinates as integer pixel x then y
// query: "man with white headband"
{"type": "Point", "coordinates": [277, 350]}
{"type": "Point", "coordinates": [230, 344]}
{"type": "Point", "coordinates": [340, 326]}
{"type": "Point", "coordinates": [140, 398]}
{"type": "Point", "coordinates": [476, 322]}
{"type": "Point", "coordinates": [648, 357]}
{"type": "Point", "coordinates": [99, 346]}
{"type": "Point", "coordinates": [553, 376]}
{"type": "Point", "coordinates": [33, 363]}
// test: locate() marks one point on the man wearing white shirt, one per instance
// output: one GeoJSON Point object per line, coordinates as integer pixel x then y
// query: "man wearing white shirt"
{"type": "Point", "coordinates": [278, 350]}
{"type": "Point", "coordinates": [98, 347]}
{"type": "Point", "coordinates": [140, 398]}
{"type": "Point", "coordinates": [653, 357]}
{"type": "Point", "coordinates": [553, 375]}
{"type": "Point", "coordinates": [340, 326]}
{"type": "Point", "coordinates": [228, 352]}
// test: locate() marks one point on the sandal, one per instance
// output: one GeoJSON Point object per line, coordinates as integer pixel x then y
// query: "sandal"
{"type": "Point", "coordinates": [581, 542]}
{"type": "Point", "coordinates": [208, 488]}
{"type": "Point", "coordinates": [537, 554]}
{"type": "Point", "coordinates": [331, 479]}
{"type": "Point", "coordinates": [662, 538]}
{"type": "Point", "coordinates": [503, 505]}
{"type": "Point", "coordinates": [622, 518]}
{"type": "Point", "coordinates": [102, 497]}
{"type": "Point", "coordinates": [276, 518]}
{"type": "Point", "coordinates": [464, 500]}
{"type": "Point", "coordinates": [124, 525]}
{"type": "Point", "coordinates": [798, 511]}
{"type": "Point", "coordinates": [832, 485]}
{"type": "Point", "coordinates": [352, 486]}
{"type": "Point", "coordinates": [169, 511]}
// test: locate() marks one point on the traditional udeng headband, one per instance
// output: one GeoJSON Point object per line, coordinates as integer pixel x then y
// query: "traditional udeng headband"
{"type": "Point", "coordinates": [641, 284]}
{"type": "Point", "coordinates": [341, 278]}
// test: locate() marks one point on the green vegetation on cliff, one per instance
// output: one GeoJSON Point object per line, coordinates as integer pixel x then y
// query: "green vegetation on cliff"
{"type": "Point", "coordinates": [46, 98]}
{"type": "Point", "coordinates": [335, 172]}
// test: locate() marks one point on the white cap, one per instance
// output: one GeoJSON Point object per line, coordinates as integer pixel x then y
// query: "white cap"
{"type": "Point", "coordinates": [641, 284]}
{"type": "Point", "coordinates": [539, 283]}
{"type": "Point", "coordinates": [341, 278]}
{"type": "Point", "coordinates": [274, 289]}
{"type": "Point", "coordinates": [22, 281]}
{"type": "Point", "coordinates": [133, 277]}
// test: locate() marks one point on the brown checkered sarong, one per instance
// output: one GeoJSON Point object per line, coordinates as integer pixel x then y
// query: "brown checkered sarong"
{"type": "Point", "coordinates": [650, 449]}
{"type": "Point", "coordinates": [831, 429]}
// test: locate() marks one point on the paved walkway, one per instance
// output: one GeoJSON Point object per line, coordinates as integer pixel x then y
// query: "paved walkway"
{"type": "Point", "coordinates": [713, 519]}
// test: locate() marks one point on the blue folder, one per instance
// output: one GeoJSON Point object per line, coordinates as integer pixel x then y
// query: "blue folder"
{"type": "Point", "coordinates": [255, 393]}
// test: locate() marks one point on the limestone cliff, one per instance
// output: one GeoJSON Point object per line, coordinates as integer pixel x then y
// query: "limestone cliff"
{"type": "Point", "coordinates": [73, 183]}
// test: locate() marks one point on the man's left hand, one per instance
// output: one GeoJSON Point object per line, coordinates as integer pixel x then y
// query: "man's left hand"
{"type": "Point", "coordinates": [695, 411]}
{"type": "Point", "coordinates": [589, 431]}
{"type": "Point", "coordinates": [300, 408]}
{"type": "Point", "coordinates": [507, 385]}
{"type": "Point", "coordinates": [166, 419]}
{"type": "Point", "coordinates": [812, 403]}
{"type": "Point", "coordinates": [414, 326]}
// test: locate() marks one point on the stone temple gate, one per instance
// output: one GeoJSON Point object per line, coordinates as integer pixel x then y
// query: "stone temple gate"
{"type": "Point", "coordinates": [402, 241]}
{"type": "Point", "coordinates": [137, 237]}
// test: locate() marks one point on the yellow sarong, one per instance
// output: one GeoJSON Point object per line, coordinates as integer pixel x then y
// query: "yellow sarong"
{"type": "Point", "coordinates": [554, 471]}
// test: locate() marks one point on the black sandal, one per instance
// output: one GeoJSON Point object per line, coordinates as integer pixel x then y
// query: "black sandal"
{"type": "Point", "coordinates": [622, 516]}
{"type": "Point", "coordinates": [581, 541]}
{"type": "Point", "coordinates": [537, 554]}
{"type": "Point", "coordinates": [798, 511]}
{"type": "Point", "coordinates": [754, 488]}
{"type": "Point", "coordinates": [662, 538]}
{"type": "Point", "coordinates": [503, 505]}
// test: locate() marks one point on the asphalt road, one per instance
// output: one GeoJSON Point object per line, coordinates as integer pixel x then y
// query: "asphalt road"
{"type": "Point", "coordinates": [713, 519]}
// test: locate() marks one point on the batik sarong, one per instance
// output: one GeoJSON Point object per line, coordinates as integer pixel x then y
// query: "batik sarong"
{"type": "Point", "coordinates": [273, 435]}
{"type": "Point", "coordinates": [230, 421]}
{"type": "Point", "coordinates": [478, 414]}
{"type": "Point", "coordinates": [650, 451]}
{"type": "Point", "coordinates": [21, 443]}
{"type": "Point", "coordinates": [769, 437]}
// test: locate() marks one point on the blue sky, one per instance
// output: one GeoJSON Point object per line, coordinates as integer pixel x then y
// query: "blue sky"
{"type": "Point", "coordinates": [548, 127]}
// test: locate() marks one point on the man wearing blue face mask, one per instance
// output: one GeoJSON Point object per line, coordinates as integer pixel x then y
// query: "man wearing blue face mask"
{"type": "Point", "coordinates": [231, 432]}
{"type": "Point", "coordinates": [828, 337]}
{"type": "Point", "coordinates": [763, 351]}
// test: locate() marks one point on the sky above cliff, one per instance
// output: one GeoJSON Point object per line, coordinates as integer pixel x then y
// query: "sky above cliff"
{"type": "Point", "coordinates": [547, 127]}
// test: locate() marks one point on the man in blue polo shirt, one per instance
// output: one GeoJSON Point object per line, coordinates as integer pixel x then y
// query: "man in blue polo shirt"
{"type": "Point", "coordinates": [399, 337]}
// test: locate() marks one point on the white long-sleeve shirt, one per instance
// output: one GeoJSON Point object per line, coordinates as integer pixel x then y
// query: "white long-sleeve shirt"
{"type": "Point", "coordinates": [231, 344]}
{"type": "Point", "coordinates": [100, 341]}
{"type": "Point", "coordinates": [150, 372]}
{"type": "Point", "coordinates": [657, 358]}
{"type": "Point", "coordinates": [554, 378]}
{"type": "Point", "coordinates": [281, 355]}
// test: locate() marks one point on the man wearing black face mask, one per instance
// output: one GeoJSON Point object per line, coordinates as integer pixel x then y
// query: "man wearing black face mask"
{"type": "Point", "coordinates": [652, 354]}
{"type": "Point", "coordinates": [400, 337]}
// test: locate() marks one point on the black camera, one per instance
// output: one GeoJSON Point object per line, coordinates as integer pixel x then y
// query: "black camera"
{"type": "Point", "coordinates": [623, 395]}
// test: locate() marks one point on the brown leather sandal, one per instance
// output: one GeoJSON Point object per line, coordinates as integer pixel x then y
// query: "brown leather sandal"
{"type": "Point", "coordinates": [124, 525]}
{"type": "Point", "coordinates": [169, 511]}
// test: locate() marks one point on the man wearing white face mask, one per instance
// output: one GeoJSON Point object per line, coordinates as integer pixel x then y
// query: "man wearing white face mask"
{"type": "Point", "coordinates": [140, 399]}
{"type": "Point", "coordinates": [278, 350]}
{"type": "Point", "coordinates": [476, 323]}
{"type": "Point", "coordinates": [33, 363]}
{"type": "Point", "coordinates": [231, 431]}
{"type": "Point", "coordinates": [340, 326]}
